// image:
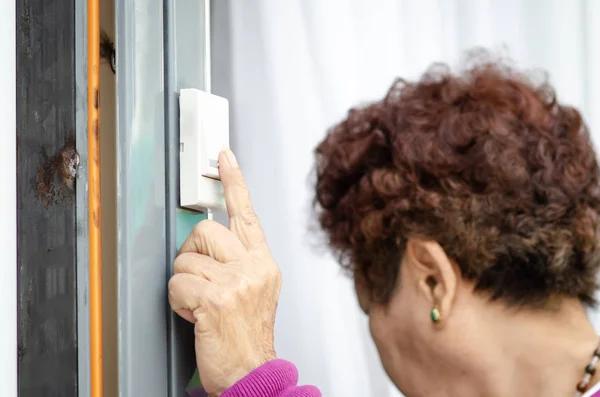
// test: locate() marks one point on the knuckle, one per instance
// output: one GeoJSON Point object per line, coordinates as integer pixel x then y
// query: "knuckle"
{"type": "Point", "coordinates": [267, 265]}
{"type": "Point", "coordinates": [180, 263]}
{"type": "Point", "coordinates": [244, 286]}
{"type": "Point", "coordinates": [225, 300]}
{"type": "Point", "coordinates": [174, 283]}
{"type": "Point", "coordinates": [247, 215]}
{"type": "Point", "coordinates": [272, 276]}
{"type": "Point", "coordinates": [276, 277]}
{"type": "Point", "coordinates": [173, 288]}
{"type": "Point", "coordinates": [204, 227]}
{"type": "Point", "coordinates": [250, 284]}
{"type": "Point", "coordinates": [250, 218]}
{"type": "Point", "coordinates": [239, 283]}
{"type": "Point", "coordinates": [262, 280]}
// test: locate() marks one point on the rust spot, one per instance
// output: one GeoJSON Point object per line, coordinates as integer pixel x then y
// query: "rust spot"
{"type": "Point", "coordinates": [95, 218]}
{"type": "Point", "coordinates": [55, 178]}
{"type": "Point", "coordinates": [96, 99]}
{"type": "Point", "coordinates": [96, 131]}
{"type": "Point", "coordinates": [68, 163]}
{"type": "Point", "coordinates": [44, 182]}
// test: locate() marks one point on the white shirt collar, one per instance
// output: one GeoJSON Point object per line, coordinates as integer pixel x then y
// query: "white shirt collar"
{"type": "Point", "coordinates": [594, 389]}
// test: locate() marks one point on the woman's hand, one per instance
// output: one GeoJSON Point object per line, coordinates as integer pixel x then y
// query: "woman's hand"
{"type": "Point", "coordinates": [227, 284]}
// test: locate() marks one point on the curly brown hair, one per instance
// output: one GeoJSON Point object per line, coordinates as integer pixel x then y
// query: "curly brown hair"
{"type": "Point", "coordinates": [486, 163]}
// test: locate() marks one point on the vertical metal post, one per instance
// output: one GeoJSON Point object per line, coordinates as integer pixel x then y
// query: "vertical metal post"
{"type": "Point", "coordinates": [187, 65]}
{"type": "Point", "coordinates": [142, 281]}
{"type": "Point", "coordinates": [94, 200]}
{"type": "Point", "coordinates": [81, 139]}
{"type": "Point", "coordinates": [187, 36]}
{"type": "Point", "coordinates": [180, 334]}
{"type": "Point", "coordinates": [161, 48]}
{"type": "Point", "coordinates": [46, 204]}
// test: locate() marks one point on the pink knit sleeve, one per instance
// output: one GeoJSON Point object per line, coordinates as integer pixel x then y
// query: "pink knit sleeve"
{"type": "Point", "coordinates": [277, 378]}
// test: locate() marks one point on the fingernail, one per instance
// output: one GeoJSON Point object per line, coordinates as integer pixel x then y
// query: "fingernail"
{"type": "Point", "coordinates": [230, 157]}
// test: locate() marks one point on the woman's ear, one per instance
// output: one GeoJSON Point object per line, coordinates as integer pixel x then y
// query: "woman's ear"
{"type": "Point", "coordinates": [434, 273]}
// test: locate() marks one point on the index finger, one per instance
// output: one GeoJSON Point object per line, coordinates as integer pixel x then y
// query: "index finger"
{"type": "Point", "coordinates": [243, 221]}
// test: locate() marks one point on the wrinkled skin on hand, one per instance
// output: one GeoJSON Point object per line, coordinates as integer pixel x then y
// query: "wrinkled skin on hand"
{"type": "Point", "coordinates": [227, 284]}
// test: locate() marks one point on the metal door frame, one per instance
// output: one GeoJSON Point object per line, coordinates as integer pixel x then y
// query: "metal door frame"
{"type": "Point", "coordinates": [161, 48]}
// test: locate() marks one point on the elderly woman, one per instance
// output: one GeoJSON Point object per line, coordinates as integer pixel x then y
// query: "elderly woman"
{"type": "Point", "coordinates": [466, 208]}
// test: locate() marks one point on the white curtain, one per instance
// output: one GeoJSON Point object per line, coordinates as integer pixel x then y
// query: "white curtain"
{"type": "Point", "coordinates": [297, 66]}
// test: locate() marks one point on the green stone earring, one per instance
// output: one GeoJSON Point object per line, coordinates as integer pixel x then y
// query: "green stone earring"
{"type": "Point", "coordinates": [435, 315]}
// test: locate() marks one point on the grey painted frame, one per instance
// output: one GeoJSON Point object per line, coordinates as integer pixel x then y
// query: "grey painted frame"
{"type": "Point", "coordinates": [187, 65]}
{"type": "Point", "coordinates": [180, 335]}
{"type": "Point", "coordinates": [81, 203]}
{"type": "Point", "coordinates": [158, 53]}
{"type": "Point", "coordinates": [142, 294]}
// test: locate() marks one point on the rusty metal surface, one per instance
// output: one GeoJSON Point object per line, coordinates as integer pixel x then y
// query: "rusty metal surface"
{"type": "Point", "coordinates": [47, 163]}
{"type": "Point", "coordinates": [55, 177]}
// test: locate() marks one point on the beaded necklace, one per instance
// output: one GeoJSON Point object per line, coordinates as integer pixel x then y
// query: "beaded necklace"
{"type": "Point", "coordinates": [590, 370]}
